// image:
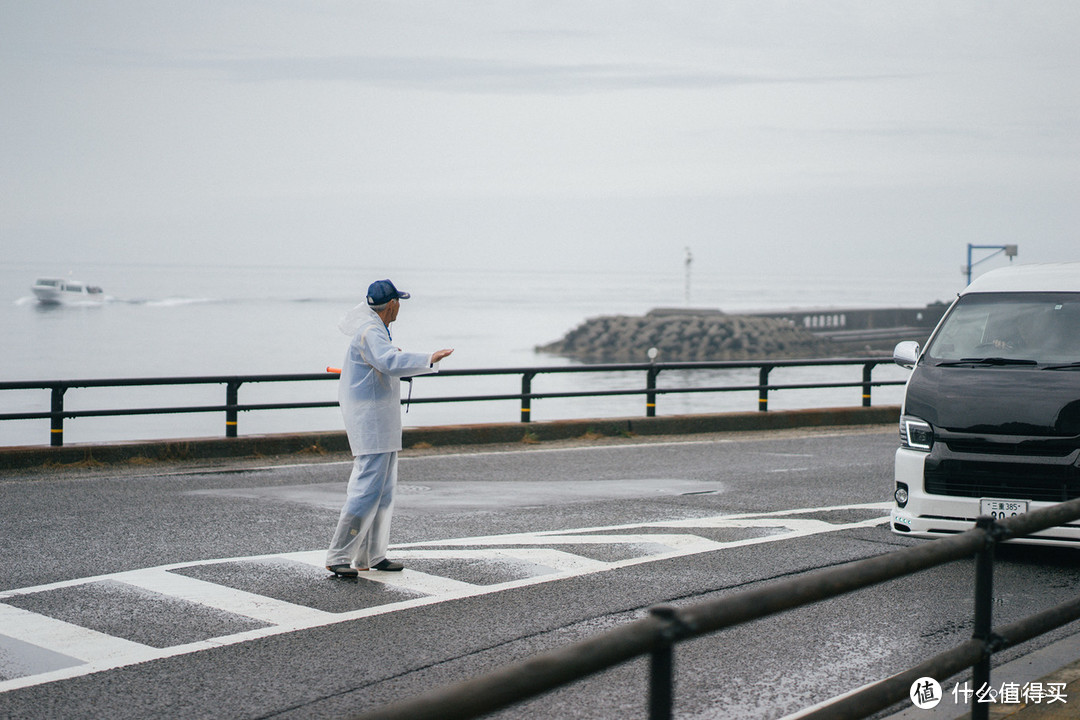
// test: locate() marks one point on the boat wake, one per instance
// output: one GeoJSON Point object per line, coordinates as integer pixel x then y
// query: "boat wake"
{"type": "Point", "coordinates": [31, 300]}
{"type": "Point", "coordinates": [171, 302]}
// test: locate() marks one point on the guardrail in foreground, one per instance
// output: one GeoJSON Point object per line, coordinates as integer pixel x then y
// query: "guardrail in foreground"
{"type": "Point", "coordinates": [657, 635]}
{"type": "Point", "coordinates": [232, 407]}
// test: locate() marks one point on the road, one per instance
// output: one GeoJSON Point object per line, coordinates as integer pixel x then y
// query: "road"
{"type": "Point", "coordinates": [198, 592]}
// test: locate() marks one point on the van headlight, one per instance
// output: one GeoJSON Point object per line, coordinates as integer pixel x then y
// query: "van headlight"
{"type": "Point", "coordinates": [916, 434]}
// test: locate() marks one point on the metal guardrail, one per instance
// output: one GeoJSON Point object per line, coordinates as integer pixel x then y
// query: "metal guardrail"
{"type": "Point", "coordinates": [657, 634]}
{"type": "Point", "coordinates": [232, 406]}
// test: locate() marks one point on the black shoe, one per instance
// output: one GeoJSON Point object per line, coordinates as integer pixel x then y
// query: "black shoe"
{"type": "Point", "coordinates": [387, 565]}
{"type": "Point", "coordinates": [343, 570]}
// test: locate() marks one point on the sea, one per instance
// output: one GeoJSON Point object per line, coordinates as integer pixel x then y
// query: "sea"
{"type": "Point", "coordinates": [194, 320]}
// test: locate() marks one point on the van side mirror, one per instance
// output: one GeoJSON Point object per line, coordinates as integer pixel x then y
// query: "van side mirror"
{"type": "Point", "coordinates": [906, 353]}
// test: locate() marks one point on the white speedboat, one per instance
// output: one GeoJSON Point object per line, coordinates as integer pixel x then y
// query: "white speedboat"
{"type": "Point", "coordinates": [54, 291]}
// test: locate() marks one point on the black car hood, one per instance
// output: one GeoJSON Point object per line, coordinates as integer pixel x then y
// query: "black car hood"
{"type": "Point", "coordinates": [996, 400]}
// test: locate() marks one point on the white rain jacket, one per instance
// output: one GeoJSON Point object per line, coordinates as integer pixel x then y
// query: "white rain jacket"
{"type": "Point", "coordinates": [369, 390]}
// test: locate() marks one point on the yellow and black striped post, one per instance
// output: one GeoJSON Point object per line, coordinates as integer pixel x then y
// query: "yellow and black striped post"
{"type": "Point", "coordinates": [763, 389]}
{"type": "Point", "coordinates": [650, 396]}
{"type": "Point", "coordinates": [232, 399]}
{"type": "Point", "coordinates": [867, 371]}
{"type": "Point", "coordinates": [56, 433]}
{"type": "Point", "coordinates": [526, 400]}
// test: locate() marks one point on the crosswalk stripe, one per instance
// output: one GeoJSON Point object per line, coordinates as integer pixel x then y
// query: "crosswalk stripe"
{"type": "Point", "coordinates": [238, 602]}
{"type": "Point", "coordinates": [425, 584]}
{"type": "Point", "coordinates": [542, 555]}
{"type": "Point", "coordinates": [67, 638]}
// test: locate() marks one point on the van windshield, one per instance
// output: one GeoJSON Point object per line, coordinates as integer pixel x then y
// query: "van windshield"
{"type": "Point", "coordinates": [1010, 328]}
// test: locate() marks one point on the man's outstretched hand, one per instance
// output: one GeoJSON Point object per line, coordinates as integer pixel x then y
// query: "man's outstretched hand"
{"type": "Point", "coordinates": [440, 354]}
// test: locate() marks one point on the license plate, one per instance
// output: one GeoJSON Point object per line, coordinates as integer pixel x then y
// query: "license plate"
{"type": "Point", "coordinates": [1002, 509]}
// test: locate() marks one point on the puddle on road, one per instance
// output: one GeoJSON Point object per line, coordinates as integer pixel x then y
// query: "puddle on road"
{"type": "Point", "coordinates": [19, 659]}
{"type": "Point", "coordinates": [482, 494]}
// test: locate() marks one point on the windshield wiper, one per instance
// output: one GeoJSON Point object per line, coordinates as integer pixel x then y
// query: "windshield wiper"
{"type": "Point", "coordinates": [987, 361]}
{"type": "Point", "coordinates": [1064, 366]}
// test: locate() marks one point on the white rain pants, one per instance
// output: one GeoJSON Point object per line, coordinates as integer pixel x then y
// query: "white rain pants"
{"type": "Point", "coordinates": [363, 529]}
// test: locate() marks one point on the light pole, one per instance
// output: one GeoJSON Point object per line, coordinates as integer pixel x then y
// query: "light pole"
{"type": "Point", "coordinates": [689, 259]}
{"type": "Point", "coordinates": [1009, 250]}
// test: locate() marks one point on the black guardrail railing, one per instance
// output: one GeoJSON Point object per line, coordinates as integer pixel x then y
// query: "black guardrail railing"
{"type": "Point", "coordinates": [232, 383]}
{"type": "Point", "coordinates": [666, 626]}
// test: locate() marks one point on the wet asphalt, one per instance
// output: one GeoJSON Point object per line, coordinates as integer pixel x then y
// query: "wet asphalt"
{"type": "Point", "coordinates": [244, 526]}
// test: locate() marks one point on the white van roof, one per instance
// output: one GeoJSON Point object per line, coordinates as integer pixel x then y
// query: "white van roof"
{"type": "Point", "coordinates": [1047, 277]}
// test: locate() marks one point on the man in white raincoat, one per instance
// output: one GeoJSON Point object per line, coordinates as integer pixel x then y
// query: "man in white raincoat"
{"type": "Point", "coordinates": [370, 396]}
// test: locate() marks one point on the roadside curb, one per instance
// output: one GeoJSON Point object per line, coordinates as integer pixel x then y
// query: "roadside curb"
{"type": "Point", "coordinates": [12, 458]}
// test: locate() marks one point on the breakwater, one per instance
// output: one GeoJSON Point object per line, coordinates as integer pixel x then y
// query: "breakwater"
{"type": "Point", "coordinates": [686, 334]}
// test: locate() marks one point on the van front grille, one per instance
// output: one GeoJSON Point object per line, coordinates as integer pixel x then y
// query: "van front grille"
{"type": "Point", "coordinates": [1027, 448]}
{"type": "Point", "coordinates": [1015, 481]}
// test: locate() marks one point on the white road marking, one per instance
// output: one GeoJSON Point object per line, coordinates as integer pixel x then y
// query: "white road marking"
{"type": "Point", "coordinates": [66, 638]}
{"type": "Point", "coordinates": [423, 583]}
{"type": "Point", "coordinates": [238, 602]}
{"type": "Point", "coordinates": [540, 551]}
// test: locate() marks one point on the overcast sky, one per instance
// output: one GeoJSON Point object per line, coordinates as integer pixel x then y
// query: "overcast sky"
{"type": "Point", "coordinates": [550, 135]}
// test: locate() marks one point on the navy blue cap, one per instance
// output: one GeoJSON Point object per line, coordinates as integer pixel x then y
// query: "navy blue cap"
{"type": "Point", "coordinates": [381, 292]}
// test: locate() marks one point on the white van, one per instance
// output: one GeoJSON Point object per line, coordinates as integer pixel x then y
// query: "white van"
{"type": "Point", "coordinates": [990, 423]}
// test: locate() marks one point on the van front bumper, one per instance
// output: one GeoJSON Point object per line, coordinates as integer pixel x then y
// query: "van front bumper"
{"type": "Point", "coordinates": [931, 516]}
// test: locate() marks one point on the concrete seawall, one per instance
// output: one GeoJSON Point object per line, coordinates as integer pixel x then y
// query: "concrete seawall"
{"type": "Point", "coordinates": [448, 435]}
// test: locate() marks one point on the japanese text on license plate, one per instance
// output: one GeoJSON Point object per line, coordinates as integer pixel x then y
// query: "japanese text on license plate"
{"type": "Point", "coordinates": [1001, 509]}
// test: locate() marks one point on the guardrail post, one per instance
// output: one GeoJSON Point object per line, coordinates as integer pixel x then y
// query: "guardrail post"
{"type": "Point", "coordinates": [867, 371]}
{"type": "Point", "coordinates": [984, 604]}
{"type": "Point", "coordinates": [526, 390]}
{"type": "Point", "coordinates": [232, 399]}
{"type": "Point", "coordinates": [763, 390]}
{"type": "Point", "coordinates": [650, 385]}
{"type": "Point", "coordinates": [56, 431]}
{"type": "Point", "coordinates": [661, 670]}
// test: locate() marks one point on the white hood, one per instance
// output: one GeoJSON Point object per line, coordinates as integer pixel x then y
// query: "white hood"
{"type": "Point", "coordinates": [356, 318]}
